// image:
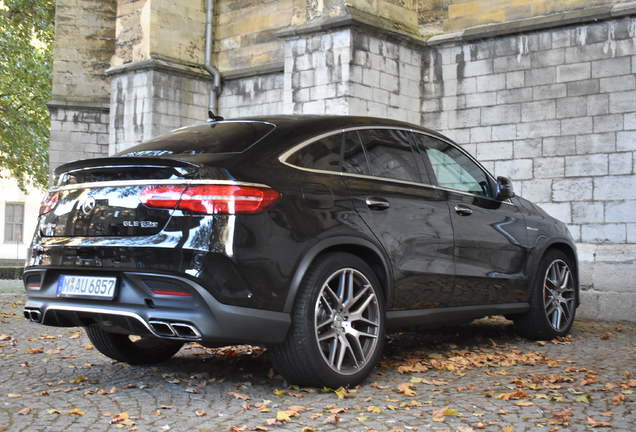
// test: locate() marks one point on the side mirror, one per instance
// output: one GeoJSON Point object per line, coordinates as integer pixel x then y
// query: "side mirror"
{"type": "Point", "coordinates": [504, 188]}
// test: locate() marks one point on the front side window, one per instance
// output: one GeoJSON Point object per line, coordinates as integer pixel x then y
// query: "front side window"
{"type": "Point", "coordinates": [390, 154]}
{"type": "Point", "coordinates": [13, 222]}
{"type": "Point", "coordinates": [452, 168]}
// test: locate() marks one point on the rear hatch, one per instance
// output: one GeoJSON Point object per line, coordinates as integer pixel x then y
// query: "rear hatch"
{"type": "Point", "coordinates": [103, 197]}
{"type": "Point", "coordinates": [110, 196]}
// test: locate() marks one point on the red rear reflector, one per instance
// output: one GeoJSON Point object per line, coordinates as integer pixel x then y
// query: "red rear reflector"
{"type": "Point", "coordinates": [210, 199]}
{"type": "Point", "coordinates": [48, 203]}
{"type": "Point", "coordinates": [172, 293]}
{"type": "Point", "coordinates": [33, 286]}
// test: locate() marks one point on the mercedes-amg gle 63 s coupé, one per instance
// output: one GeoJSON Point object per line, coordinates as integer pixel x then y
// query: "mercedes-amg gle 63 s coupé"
{"type": "Point", "coordinates": [311, 235]}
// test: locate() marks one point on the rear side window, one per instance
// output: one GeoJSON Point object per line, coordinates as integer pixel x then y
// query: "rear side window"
{"type": "Point", "coordinates": [209, 138]}
{"type": "Point", "coordinates": [354, 159]}
{"type": "Point", "coordinates": [337, 153]}
{"type": "Point", "coordinates": [390, 154]}
{"type": "Point", "coordinates": [323, 154]}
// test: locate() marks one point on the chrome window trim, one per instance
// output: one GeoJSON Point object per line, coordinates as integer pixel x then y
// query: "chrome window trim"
{"type": "Point", "coordinates": [116, 183]}
{"type": "Point", "coordinates": [284, 156]}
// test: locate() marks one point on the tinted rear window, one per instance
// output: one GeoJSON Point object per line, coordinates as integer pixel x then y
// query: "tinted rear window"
{"type": "Point", "coordinates": [209, 138]}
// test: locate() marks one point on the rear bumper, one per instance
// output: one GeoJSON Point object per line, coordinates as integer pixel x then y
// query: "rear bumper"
{"type": "Point", "coordinates": [138, 309]}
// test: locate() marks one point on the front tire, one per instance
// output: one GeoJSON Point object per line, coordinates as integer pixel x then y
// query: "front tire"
{"type": "Point", "coordinates": [337, 332]}
{"type": "Point", "coordinates": [120, 347]}
{"type": "Point", "coordinates": [553, 299]}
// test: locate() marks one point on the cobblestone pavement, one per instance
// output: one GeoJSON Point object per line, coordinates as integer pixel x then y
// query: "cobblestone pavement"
{"type": "Point", "coordinates": [476, 377]}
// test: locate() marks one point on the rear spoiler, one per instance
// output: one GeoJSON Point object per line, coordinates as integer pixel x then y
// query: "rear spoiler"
{"type": "Point", "coordinates": [182, 167]}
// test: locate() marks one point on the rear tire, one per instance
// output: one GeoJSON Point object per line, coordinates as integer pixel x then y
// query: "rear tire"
{"type": "Point", "coordinates": [337, 332]}
{"type": "Point", "coordinates": [553, 299]}
{"type": "Point", "coordinates": [147, 350]}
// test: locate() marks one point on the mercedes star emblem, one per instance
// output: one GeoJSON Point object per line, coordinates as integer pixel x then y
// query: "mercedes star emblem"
{"type": "Point", "coordinates": [87, 205]}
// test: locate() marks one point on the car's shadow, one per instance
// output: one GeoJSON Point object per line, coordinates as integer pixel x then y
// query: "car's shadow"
{"type": "Point", "coordinates": [245, 363]}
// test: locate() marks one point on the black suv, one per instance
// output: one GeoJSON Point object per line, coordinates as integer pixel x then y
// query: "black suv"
{"type": "Point", "coordinates": [308, 234]}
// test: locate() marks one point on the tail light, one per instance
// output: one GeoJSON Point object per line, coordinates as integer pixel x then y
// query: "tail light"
{"type": "Point", "coordinates": [48, 203]}
{"type": "Point", "coordinates": [162, 196]}
{"type": "Point", "coordinates": [210, 199]}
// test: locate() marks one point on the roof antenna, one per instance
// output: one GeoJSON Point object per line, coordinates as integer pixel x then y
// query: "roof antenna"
{"type": "Point", "coordinates": [213, 117]}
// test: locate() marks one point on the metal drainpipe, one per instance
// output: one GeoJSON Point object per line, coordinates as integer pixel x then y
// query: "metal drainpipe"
{"type": "Point", "coordinates": [213, 97]}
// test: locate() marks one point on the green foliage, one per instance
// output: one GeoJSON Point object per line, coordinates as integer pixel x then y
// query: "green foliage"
{"type": "Point", "coordinates": [26, 43]}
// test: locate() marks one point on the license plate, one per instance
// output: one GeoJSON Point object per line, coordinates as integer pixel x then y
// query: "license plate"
{"type": "Point", "coordinates": [86, 286]}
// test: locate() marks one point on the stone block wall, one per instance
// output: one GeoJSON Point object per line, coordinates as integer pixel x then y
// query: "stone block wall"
{"type": "Point", "coordinates": [317, 72]}
{"type": "Point", "coordinates": [244, 32]}
{"type": "Point", "coordinates": [84, 44]}
{"type": "Point", "coordinates": [385, 77]}
{"type": "Point", "coordinates": [85, 41]}
{"type": "Point", "coordinates": [254, 95]}
{"type": "Point", "coordinates": [149, 102]}
{"type": "Point", "coordinates": [351, 71]}
{"type": "Point", "coordinates": [469, 13]}
{"type": "Point", "coordinates": [82, 133]}
{"type": "Point", "coordinates": [159, 28]}
{"type": "Point", "coordinates": [556, 111]}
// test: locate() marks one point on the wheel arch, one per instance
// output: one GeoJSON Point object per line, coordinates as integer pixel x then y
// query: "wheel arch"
{"type": "Point", "coordinates": [362, 248]}
{"type": "Point", "coordinates": [570, 251]}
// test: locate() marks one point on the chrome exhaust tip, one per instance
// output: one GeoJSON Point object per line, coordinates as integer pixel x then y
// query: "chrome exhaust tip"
{"type": "Point", "coordinates": [186, 331]}
{"type": "Point", "coordinates": [33, 315]}
{"type": "Point", "coordinates": [162, 328]}
{"type": "Point", "coordinates": [174, 330]}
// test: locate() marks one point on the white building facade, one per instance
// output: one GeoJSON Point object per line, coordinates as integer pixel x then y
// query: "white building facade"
{"type": "Point", "coordinates": [18, 213]}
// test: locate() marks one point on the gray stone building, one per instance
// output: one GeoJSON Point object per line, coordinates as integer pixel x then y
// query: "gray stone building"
{"type": "Point", "coordinates": [538, 91]}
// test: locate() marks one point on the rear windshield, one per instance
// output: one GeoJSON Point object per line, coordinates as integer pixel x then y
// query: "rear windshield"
{"type": "Point", "coordinates": [208, 138]}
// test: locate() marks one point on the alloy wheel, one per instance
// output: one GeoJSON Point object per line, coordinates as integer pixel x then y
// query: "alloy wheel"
{"type": "Point", "coordinates": [559, 295]}
{"type": "Point", "coordinates": [347, 321]}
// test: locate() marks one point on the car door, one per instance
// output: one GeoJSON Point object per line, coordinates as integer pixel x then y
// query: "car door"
{"type": "Point", "coordinates": [488, 234]}
{"type": "Point", "coordinates": [385, 178]}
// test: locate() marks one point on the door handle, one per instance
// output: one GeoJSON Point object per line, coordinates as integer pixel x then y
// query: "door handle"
{"type": "Point", "coordinates": [463, 211]}
{"type": "Point", "coordinates": [377, 203]}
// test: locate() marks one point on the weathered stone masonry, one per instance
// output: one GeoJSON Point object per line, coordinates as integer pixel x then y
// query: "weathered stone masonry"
{"type": "Point", "coordinates": [79, 105]}
{"type": "Point", "coordinates": [352, 71]}
{"type": "Point", "coordinates": [153, 97]}
{"type": "Point", "coordinates": [80, 130]}
{"type": "Point", "coordinates": [252, 95]}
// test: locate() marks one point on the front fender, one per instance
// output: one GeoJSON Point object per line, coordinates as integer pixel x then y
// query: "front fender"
{"type": "Point", "coordinates": [539, 250]}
